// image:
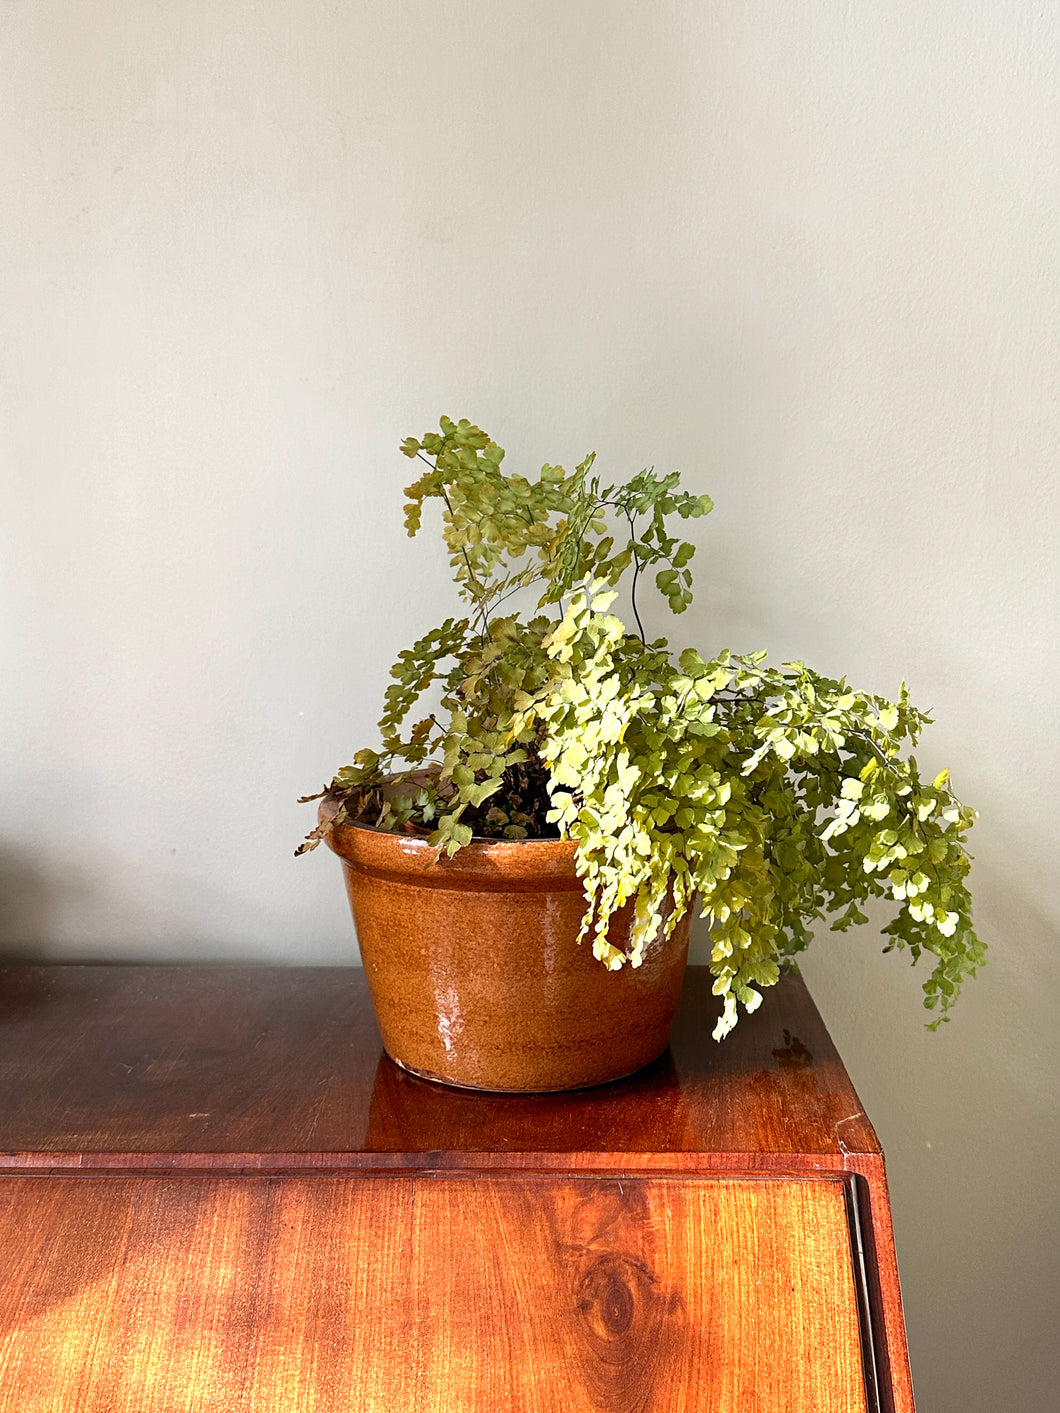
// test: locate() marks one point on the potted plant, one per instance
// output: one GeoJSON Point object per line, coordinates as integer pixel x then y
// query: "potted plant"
{"type": "Point", "coordinates": [523, 862]}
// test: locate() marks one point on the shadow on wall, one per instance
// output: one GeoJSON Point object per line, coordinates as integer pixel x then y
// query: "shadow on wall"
{"type": "Point", "coordinates": [30, 898]}
{"type": "Point", "coordinates": [968, 1120]}
{"type": "Point", "coordinates": [94, 912]}
{"type": "Point", "coordinates": [980, 1185]}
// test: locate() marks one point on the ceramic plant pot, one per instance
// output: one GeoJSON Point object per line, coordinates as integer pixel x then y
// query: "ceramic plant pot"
{"type": "Point", "coordinates": [476, 974]}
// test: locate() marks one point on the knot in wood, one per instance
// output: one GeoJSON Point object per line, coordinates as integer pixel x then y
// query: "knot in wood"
{"type": "Point", "coordinates": [609, 1294]}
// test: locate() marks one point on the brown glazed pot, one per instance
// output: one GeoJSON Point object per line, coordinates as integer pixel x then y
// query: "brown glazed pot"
{"type": "Point", "coordinates": [476, 974]}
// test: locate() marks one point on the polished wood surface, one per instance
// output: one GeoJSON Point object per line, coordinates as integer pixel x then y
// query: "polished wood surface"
{"type": "Point", "coordinates": [249, 1062]}
{"type": "Point", "coordinates": [217, 1194]}
{"type": "Point", "coordinates": [160, 1295]}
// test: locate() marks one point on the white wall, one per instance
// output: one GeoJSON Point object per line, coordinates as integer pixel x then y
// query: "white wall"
{"type": "Point", "coordinates": [805, 254]}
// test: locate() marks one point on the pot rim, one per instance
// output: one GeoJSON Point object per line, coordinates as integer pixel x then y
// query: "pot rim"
{"type": "Point", "coordinates": [487, 839]}
{"type": "Point", "coordinates": [480, 843]}
{"type": "Point", "coordinates": [490, 864]}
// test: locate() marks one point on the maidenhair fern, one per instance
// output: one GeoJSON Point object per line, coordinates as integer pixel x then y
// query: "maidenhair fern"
{"type": "Point", "coordinates": [772, 798]}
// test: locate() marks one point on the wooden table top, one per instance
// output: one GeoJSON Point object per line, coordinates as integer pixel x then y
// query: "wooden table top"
{"type": "Point", "coordinates": [220, 1193]}
{"type": "Point", "coordinates": [238, 1068]}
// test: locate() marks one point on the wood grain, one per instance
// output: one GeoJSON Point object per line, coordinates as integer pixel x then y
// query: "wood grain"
{"type": "Point", "coordinates": [442, 1294]}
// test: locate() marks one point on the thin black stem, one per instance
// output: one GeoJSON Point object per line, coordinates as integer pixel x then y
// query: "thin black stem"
{"type": "Point", "coordinates": [514, 589]}
{"type": "Point", "coordinates": [636, 575]}
{"type": "Point", "coordinates": [868, 741]}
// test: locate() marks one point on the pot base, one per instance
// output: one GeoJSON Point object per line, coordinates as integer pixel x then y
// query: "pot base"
{"type": "Point", "coordinates": [492, 1089]}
